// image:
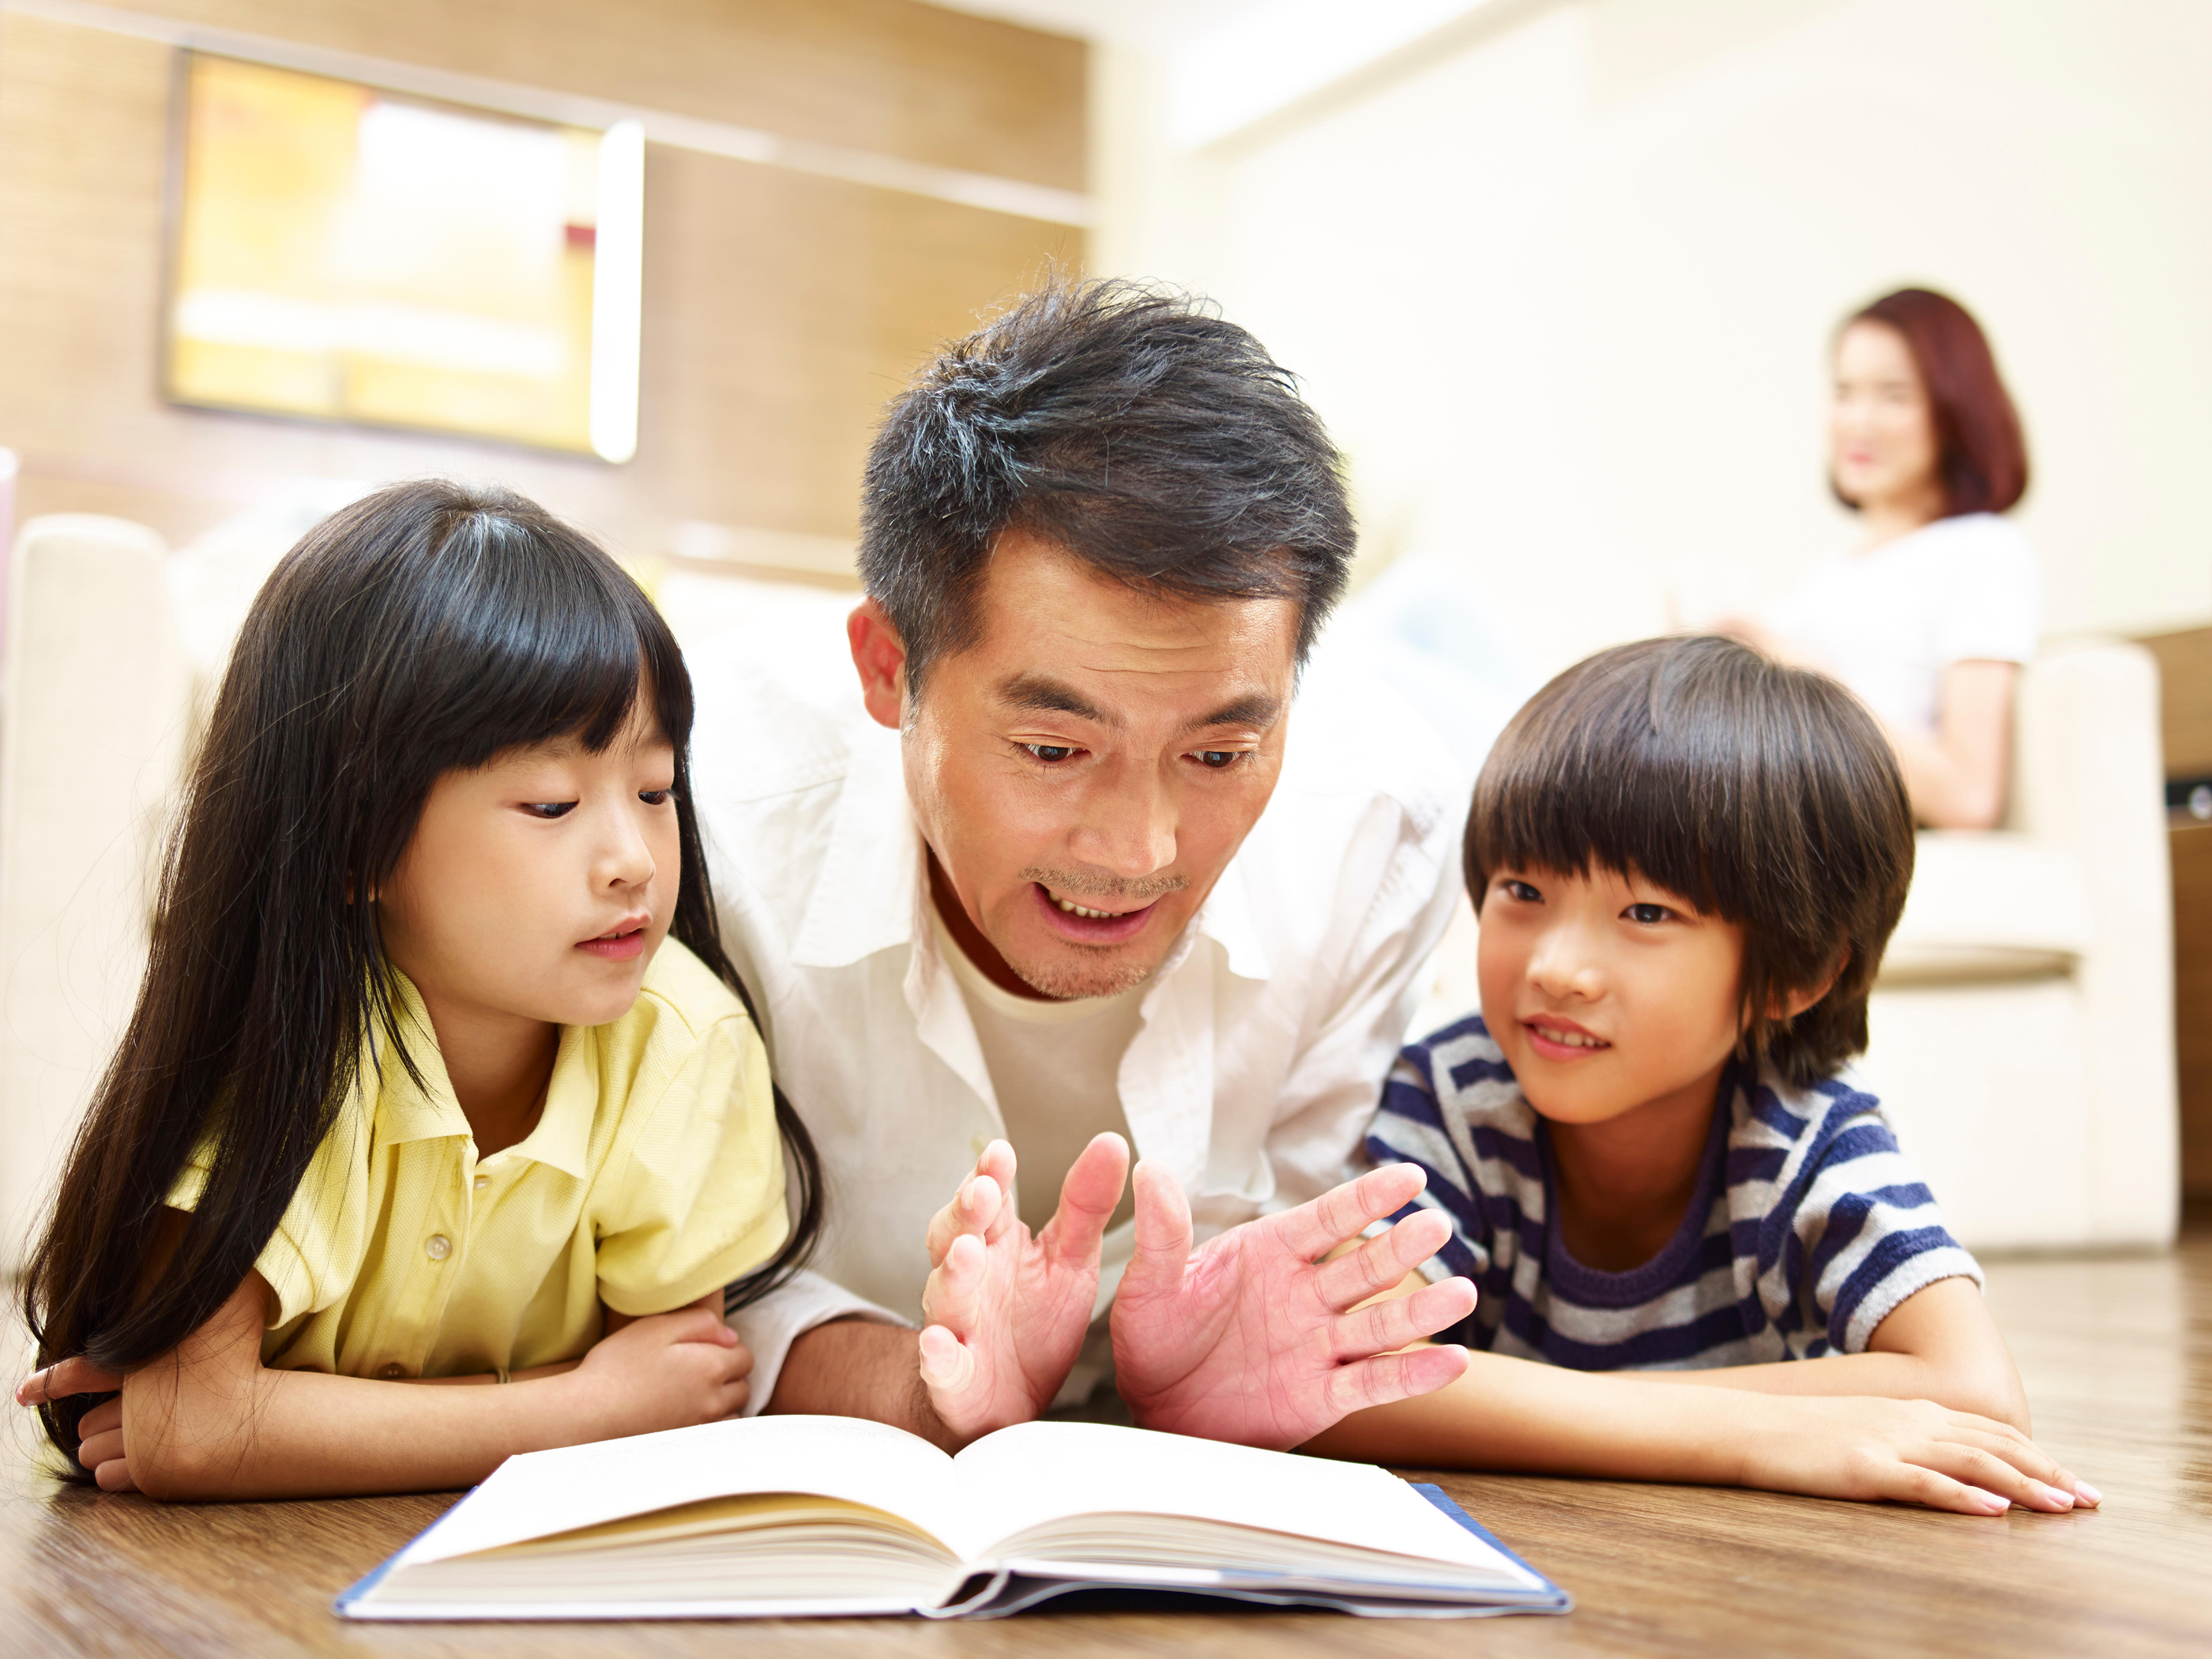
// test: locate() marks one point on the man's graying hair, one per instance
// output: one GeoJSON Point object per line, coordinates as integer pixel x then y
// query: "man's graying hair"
{"type": "Point", "coordinates": [1130, 425]}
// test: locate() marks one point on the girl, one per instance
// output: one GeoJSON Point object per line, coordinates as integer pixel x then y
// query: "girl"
{"type": "Point", "coordinates": [1687, 860]}
{"type": "Point", "coordinates": [419, 1089]}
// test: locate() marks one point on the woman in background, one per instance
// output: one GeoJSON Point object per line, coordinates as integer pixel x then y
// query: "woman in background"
{"type": "Point", "coordinates": [1931, 616]}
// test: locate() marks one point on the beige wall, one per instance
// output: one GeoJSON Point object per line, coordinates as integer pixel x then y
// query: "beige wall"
{"type": "Point", "coordinates": [780, 308]}
{"type": "Point", "coordinates": [1562, 279]}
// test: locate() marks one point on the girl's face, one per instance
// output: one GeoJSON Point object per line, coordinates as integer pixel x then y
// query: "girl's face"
{"type": "Point", "coordinates": [1881, 430]}
{"type": "Point", "coordinates": [540, 886]}
{"type": "Point", "coordinates": [1606, 992]}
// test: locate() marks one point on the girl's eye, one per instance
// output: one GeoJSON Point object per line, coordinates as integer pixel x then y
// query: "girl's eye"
{"type": "Point", "coordinates": [656, 797]}
{"type": "Point", "coordinates": [1647, 915]}
{"type": "Point", "coordinates": [1049, 753]}
{"type": "Point", "coordinates": [548, 809]}
{"type": "Point", "coordinates": [1215, 760]}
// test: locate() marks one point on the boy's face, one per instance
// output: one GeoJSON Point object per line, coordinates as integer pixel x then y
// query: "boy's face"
{"type": "Point", "coordinates": [1606, 992]}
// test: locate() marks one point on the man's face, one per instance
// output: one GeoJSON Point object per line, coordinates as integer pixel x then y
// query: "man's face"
{"type": "Point", "coordinates": [1085, 770]}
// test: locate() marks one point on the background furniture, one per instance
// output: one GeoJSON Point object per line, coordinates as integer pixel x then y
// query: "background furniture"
{"type": "Point", "coordinates": [2185, 678]}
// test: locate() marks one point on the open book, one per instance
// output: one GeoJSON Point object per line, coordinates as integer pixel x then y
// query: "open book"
{"type": "Point", "coordinates": [790, 1515]}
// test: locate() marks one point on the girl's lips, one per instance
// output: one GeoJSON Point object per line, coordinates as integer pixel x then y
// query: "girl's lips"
{"type": "Point", "coordinates": [1091, 930]}
{"type": "Point", "coordinates": [617, 947]}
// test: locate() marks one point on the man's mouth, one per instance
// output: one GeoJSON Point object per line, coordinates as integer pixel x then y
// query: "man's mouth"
{"type": "Point", "coordinates": [1075, 909]}
{"type": "Point", "coordinates": [1088, 924]}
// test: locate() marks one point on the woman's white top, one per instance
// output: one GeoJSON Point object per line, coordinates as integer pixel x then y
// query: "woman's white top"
{"type": "Point", "coordinates": [1889, 621]}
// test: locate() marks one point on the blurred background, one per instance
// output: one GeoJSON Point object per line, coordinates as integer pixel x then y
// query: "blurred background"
{"type": "Point", "coordinates": [1562, 276]}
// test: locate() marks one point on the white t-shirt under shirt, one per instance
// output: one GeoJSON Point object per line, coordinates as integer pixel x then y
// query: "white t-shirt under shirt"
{"type": "Point", "coordinates": [1056, 1069]}
{"type": "Point", "coordinates": [1889, 621]}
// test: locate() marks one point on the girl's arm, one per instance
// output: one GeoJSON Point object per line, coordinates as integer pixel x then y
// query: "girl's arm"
{"type": "Point", "coordinates": [1514, 1414]}
{"type": "Point", "coordinates": [210, 1421]}
{"type": "Point", "coordinates": [1957, 777]}
{"type": "Point", "coordinates": [1939, 1344]}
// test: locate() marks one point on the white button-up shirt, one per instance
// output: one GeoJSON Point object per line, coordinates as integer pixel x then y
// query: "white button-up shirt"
{"type": "Point", "coordinates": [1266, 1032]}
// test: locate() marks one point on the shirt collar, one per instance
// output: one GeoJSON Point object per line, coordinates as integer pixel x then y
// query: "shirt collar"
{"type": "Point", "coordinates": [407, 1111]}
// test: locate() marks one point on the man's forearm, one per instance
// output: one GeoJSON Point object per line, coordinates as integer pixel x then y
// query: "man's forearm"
{"type": "Point", "coordinates": [859, 1368]}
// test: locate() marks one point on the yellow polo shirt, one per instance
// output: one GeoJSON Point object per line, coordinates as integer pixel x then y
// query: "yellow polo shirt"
{"type": "Point", "coordinates": [654, 1175]}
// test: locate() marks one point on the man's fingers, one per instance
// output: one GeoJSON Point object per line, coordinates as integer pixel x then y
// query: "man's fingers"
{"type": "Point", "coordinates": [1088, 1197]}
{"type": "Point", "coordinates": [980, 1202]}
{"type": "Point", "coordinates": [1402, 1320]}
{"type": "Point", "coordinates": [953, 1296]}
{"type": "Point", "coordinates": [60, 1380]}
{"type": "Point", "coordinates": [1162, 1234]}
{"type": "Point", "coordinates": [1382, 1261]}
{"type": "Point", "coordinates": [1391, 1378]}
{"type": "Point", "coordinates": [945, 1364]}
{"type": "Point", "coordinates": [1345, 1211]}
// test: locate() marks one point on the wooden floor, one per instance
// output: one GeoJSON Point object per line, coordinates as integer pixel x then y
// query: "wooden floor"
{"type": "Point", "coordinates": [2117, 1357]}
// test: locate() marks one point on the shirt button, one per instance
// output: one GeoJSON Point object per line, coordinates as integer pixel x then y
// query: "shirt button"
{"type": "Point", "coordinates": [392, 1372]}
{"type": "Point", "coordinates": [438, 1248]}
{"type": "Point", "coordinates": [483, 1182]}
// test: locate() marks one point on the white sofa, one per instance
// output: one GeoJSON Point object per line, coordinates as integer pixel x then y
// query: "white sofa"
{"type": "Point", "coordinates": [2022, 1027]}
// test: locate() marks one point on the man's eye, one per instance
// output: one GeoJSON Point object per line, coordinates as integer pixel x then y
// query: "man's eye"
{"type": "Point", "coordinates": [548, 809]}
{"type": "Point", "coordinates": [1049, 752]}
{"type": "Point", "coordinates": [1647, 915]}
{"type": "Point", "coordinates": [1216, 759]}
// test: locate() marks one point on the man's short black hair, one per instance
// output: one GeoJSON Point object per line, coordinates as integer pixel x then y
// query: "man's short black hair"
{"type": "Point", "coordinates": [1762, 794]}
{"type": "Point", "coordinates": [1128, 425]}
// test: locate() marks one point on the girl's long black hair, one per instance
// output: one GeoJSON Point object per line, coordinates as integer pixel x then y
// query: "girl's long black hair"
{"type": "Point", "coordinates": [426, 629]}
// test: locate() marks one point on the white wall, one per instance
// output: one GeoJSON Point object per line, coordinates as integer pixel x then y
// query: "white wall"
{"type": "Point", "coordinates": [1561, 279]}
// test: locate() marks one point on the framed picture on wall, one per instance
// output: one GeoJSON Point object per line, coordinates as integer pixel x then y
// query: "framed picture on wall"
{"type": "Point", "coordinates": [340, 253]}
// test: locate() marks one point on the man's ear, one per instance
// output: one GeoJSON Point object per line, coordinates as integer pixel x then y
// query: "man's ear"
{"type": "Point", "coordinates": [879, 655]}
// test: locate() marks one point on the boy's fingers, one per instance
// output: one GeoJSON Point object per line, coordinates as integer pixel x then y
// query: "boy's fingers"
{"type": "Point", "coordinates": [1402, 1320]}
{"type": "Point", "coordinates": [1382, 1261]}
{"type": "Point", "coordinates": [1972, 1465]}
{"type": "Point", "coordinates": [1344, 1211]}
{"type": "Point", "coordinates": [1910, 1484]}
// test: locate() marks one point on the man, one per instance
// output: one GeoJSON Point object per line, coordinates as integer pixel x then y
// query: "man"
{"type": "Point", "coordinates": [1057, 879]}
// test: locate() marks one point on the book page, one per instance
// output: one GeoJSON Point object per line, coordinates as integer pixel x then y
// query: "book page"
{"type": "Point", "coordinates": [538, 1494]}
{"type": "Point", "coordinates": [1035, 1473]}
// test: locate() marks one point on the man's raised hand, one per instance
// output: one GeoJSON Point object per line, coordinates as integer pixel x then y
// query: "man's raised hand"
{"type": "Point", "coordinates": [1007, 1312]}
{"type": "Point", "coordinates": [1253, 1340]}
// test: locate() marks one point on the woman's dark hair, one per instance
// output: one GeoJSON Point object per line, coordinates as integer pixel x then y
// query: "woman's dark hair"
{"type": "Point", "coordinates": [422, 630]}
{"type": "Point", "coordinates": [1130, 425]}
{"type": "Point", "coordinates": [1981, 457]}
{"type": "Point", "coordinates": [1762, 794]}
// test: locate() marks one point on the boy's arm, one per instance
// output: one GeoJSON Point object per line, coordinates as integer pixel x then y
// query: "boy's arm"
{"type": "Point", "coordinates": [1513, 1415]}
{"type": "Point", "coordinates": [209, 1421]}
{"type": "Point", "coordinates": [1938, 1344]}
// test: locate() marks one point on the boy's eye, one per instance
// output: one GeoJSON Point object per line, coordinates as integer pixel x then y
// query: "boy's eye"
{"type": "Point", "coordinates": [1647, 915]}
{"type": "Point", "coordinates": [548, 809]}
{"type": "Point", "coordinates": [1522, 890]}
{"type": "Point", "coordinates": [1049, 753]}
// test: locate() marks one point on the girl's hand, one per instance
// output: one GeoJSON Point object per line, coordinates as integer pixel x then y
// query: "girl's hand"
{"type": "Point", "coordinates": [1907, 1451]}
{"type": "Point", "coordinates": [667, 1371]}
{"type": "Point", "coordinates": [99, 1435]}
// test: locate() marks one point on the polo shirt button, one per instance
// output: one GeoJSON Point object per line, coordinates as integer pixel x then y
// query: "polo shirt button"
{"type": "Point", "coordinates": [392, 1372]}
{"type": "Point", "coordinates": [438, 1248]}
{"type": "Point", "coordinates": [483, 1182]}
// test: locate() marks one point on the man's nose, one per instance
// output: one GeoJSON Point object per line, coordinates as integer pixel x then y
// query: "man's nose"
{"type": "Point", "coordinates": [1129, 828]}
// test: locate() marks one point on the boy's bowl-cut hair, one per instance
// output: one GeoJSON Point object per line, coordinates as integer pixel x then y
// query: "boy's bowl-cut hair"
{"type": "Point", "coordinates": [1765, 795]}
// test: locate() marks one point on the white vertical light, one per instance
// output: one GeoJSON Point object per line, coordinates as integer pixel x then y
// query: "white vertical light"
{"type": "Point", "coordinates": [618, 291]}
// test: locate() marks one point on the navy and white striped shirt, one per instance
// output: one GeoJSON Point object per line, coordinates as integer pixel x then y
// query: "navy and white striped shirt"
{"type": "Point", "coordinates": [1807, 1226]}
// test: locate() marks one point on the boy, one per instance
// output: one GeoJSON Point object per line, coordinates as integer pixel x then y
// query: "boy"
{"type": "Point", "coordinates": [1687, 860]}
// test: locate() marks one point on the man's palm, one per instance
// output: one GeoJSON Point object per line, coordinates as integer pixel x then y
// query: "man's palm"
{"type": "Point", "coordinates": [1008, 1311]}
{"type": "Point", "coordinates": [1252, 1340]}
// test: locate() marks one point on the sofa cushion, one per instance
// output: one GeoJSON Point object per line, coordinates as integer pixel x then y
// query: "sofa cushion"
{"type": "Point", "coordinates": [1988, 905]}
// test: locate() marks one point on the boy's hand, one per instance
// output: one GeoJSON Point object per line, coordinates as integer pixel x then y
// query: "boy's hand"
{"type": "Point", "coordinates": [1252, 1340]}
{"type": "Point", "coordinates": [99, 1435]}
{"type": "Point", "coordinates": [667, 1371]}
{"type": "Point", "coordinates": [1908, 1451]}
{"type": "Point", "coordinates": [1007, 1312]}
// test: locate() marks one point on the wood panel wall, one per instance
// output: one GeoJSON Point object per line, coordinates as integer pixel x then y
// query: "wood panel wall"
{"type": "Point", "coordinates": [782, 309]}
